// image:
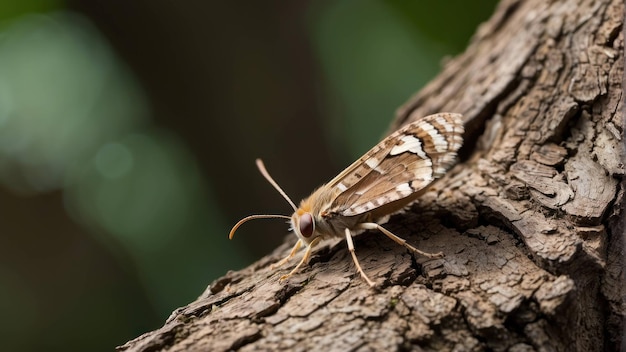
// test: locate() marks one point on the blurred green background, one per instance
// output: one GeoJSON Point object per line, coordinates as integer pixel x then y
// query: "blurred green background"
{"type": "Point", "coordinates": [129, 129]}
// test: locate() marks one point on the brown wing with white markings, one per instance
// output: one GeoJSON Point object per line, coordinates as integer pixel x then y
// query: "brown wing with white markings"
{"type": "Point", "coordinates": [402, 164]}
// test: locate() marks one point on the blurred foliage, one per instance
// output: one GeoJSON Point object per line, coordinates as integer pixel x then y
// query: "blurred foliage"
{"type": "Point", "coordinates": [375, 54]}
{"type": "Point", "coordinates": [373, 59]}
{"type": "Point", "coordinates": [72, 118]}
{"type": "Point", "coordinates": [144, 232]}
{"type": "Point", "coordinates": [62, 96]}
{"type": "Point", "coordinates": [11, 10]}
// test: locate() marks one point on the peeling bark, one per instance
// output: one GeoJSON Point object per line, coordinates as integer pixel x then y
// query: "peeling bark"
{"type": "Point", "coordinates": [530, 220]}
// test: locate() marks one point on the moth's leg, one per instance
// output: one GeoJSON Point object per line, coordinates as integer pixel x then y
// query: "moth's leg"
{"type": "Point", "coordinates": [356, 261]}
{"type": "Point", "coordinates": [400, 241]}
{"type": "Point", "coordinates": [305, 258]}
{"type": "Point", "coordinates": [294, 250]}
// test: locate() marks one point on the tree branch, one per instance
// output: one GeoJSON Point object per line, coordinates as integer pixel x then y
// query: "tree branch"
{"type": "Point", "coordinates": [530, 221]}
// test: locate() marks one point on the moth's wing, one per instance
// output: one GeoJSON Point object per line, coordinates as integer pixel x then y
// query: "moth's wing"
{"type": "Point", "coordinates": [402, 164]}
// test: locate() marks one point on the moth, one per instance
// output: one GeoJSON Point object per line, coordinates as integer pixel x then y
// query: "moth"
{"type": "Point", "coordinates": [387, 178]}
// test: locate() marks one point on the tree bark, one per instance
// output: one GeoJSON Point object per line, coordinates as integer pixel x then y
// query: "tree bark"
{"type": "Point", "coordinates": [530, 220]}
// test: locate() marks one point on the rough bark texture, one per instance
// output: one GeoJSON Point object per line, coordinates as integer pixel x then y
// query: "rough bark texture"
{"type": "Point", "coordinates": [530, 220]}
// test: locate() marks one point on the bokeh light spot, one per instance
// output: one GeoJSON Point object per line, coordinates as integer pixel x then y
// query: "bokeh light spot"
{"type": "Point", "coordinates": [113, 160]}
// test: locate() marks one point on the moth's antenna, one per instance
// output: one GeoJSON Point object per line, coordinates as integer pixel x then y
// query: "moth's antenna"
{"type": "Point", "coordinates": [261, 166]}
{"type": "Point", "coordinates": [251, 217]}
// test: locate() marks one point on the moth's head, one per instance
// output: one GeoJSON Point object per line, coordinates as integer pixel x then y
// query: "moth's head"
{"type": "Point", "coordinates": [303, 224]}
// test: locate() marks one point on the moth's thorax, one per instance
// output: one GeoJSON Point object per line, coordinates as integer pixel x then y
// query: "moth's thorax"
{"type": "Point", "coordinates": [315, 217]}
{"type": "Point", "coordinates": [319, 201]}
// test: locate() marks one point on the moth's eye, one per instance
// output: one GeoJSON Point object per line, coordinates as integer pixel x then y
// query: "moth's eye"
{"type": "Point", "coordinates": [306, 225]}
